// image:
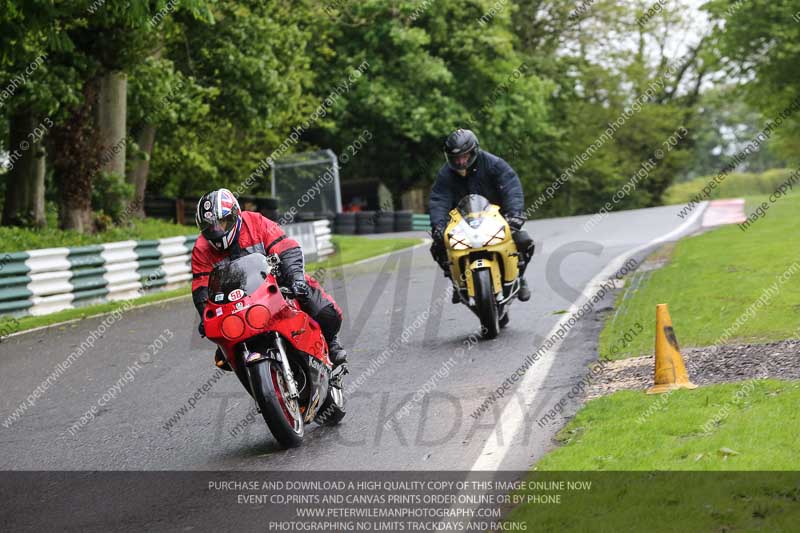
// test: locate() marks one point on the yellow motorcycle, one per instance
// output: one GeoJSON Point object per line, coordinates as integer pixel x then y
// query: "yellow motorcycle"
{"type": "Point", "coordinates": [484, 262]}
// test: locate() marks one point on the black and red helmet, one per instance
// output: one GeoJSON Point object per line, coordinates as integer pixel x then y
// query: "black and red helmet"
{"type": "Point", "coordinates": [219, 218]}
{"type": "Point", "coordinates": [461, 149]}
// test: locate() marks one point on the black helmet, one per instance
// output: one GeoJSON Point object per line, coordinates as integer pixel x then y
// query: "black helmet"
{"type": "Point", "coordinates": [461, 149]}
{"type": "Point", "coordinates": [219, 218]}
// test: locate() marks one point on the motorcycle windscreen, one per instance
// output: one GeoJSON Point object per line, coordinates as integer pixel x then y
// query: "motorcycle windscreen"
{"type": "Point", "coordinates": [472, 205]}
{"type": "Point", "coordinates": [231, 281]}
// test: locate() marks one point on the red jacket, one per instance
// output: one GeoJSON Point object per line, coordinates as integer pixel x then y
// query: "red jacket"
{"type": "Point", "coordinates": [258, 235]}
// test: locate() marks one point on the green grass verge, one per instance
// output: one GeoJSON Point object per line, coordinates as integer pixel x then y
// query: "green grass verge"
{"type": "Point", "coordinates": [711, 280]}
{"type": "Point", "coordinates": [735, 185]}
{"type": "Point", "coordinates": [349, 249]}
{"type": "Point", "coordinates": [703, 460]}
{"type": "Point", "coordinates": [20, 239]}
{"type": "Point", "coordinates": [691, 460]}
{"type": "Point", "coordinates": [685, 430]}
{"type": "Point", "coordinates": [676, 502]}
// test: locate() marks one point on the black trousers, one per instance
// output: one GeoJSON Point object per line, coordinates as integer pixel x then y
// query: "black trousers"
{"type": "Point", "coordinates": [324, 310]}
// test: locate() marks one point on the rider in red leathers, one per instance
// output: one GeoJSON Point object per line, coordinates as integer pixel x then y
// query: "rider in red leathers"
{"type": "Point", "coordinates": [228, 232]}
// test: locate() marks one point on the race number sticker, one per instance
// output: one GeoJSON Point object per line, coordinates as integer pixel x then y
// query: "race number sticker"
{"type": "Point", "coordinates": [238, 294]}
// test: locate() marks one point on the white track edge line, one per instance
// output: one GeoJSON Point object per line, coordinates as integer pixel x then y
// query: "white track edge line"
{"type": "Point", "coordinates": [512, 416]}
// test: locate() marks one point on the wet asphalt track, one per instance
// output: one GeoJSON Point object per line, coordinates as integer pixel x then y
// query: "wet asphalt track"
{"type": "Point", "coordinates": [381, 299]}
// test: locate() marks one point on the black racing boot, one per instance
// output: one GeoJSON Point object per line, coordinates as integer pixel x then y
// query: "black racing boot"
{"type": "Point", "coordinates": [524, 293]}
{"type": "Point", "coordinates": [221, 362]}
{"type": "Point", "coordinates": [455, 297]}
{"type": "Point", "coordinates": [336, 352]}
{"type": "Point", "coordinates": [338, 357]}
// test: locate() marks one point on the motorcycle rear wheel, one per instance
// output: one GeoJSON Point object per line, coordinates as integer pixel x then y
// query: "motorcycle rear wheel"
{"type": "Point", "coordinates": [283, 416]}
{"type": "Point", "coordinates": [486, 304]}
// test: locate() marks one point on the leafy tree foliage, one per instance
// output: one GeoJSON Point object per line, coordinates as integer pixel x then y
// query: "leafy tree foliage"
{"type": "Point", "coordinates": [760, 42]}
{"type": "Point", "coordinates": [431, 70]}
{"type": "Point", "coordinates": [208, 92]}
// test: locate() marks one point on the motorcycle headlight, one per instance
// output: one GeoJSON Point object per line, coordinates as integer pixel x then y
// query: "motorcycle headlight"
{"type": "Point", "coordinates": [497, 238]}
{"type": "Point", "coordinates": [458, 241]}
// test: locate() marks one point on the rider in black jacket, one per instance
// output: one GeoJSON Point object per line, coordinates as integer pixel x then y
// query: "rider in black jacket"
{"type": "Point", "coordinates": [470, 170]}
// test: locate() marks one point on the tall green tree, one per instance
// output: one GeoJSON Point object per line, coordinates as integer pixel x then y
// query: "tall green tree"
{"type": "Point", "coordinates": [725, 124]}
{"type": "Point", "coordinates": [253, 75]}
{"type": "Point", "coordinates": [605, 59]}
{"type": "Point", "coordinates": [761, 43]}
{"type": "Point", "coordinates": [431, 67]}
{"type": "Point", "coordinates": [90, 48]}
{"type": "Point", "coordinates": [32, 89]}
{"type": "Point", "coordinates": [112, 40]}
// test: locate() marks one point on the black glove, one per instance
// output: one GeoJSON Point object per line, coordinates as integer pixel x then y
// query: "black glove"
{"type": "Point", "coordinates": [437, 234]}
{"type": "Point", "coordinates": [516, 222]}
{"type": "Point", "coordinates": [201, 329]}
{"type": "Point", "coordinates": [300, 289]}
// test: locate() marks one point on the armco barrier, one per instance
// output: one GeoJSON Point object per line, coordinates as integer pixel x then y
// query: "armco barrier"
{"type": "Point", "coordinates": [39, 282]}
{"type": "Point", "coordinates": [322, 231]}
{"type": "Point", "coordinates": [421, 222]}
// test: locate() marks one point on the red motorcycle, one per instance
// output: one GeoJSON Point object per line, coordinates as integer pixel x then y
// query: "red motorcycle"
{"type": "Point", "coordinates": [276, 350]}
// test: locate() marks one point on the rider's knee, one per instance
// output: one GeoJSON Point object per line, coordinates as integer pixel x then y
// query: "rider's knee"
{"type": "Point", "coordinates": [329, 320]}
{"type": "Point", "coordinates": [523, 240]}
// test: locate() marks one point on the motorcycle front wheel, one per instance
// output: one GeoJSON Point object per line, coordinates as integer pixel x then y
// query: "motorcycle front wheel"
{"type": "Point", "coordinates": [486, 304]}
{"type": "Point", "coordinates": [282, 415]}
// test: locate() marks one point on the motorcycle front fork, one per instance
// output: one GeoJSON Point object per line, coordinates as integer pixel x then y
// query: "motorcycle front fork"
{"type": "Point", "coordinates": [249, 357]}
{"type": "Point", "coordinates": [287, 370]}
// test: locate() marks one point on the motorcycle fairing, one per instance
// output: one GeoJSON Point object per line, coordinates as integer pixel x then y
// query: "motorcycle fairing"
{"type": "Point", "coordinates": [295, 326]}
{"type": "Point", "coordinates": [500, 255]}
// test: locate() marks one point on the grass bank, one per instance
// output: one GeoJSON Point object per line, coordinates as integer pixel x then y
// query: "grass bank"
{"type": "Point", "coordinates": [713, 284]}
{"type": "Point", "coordinates": [734, 426]}
{"type": "Point", "coordinates": [719, 458]}
{"type": "Point", "coordinates": [349, 249]}
{"type": "Point", "coordinates": [675, 502]}
{"type": "Point", "coordinates": [735, 185]}
{"type": "Point", "coordinates": [20, 239]}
